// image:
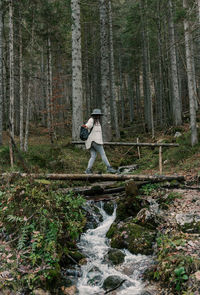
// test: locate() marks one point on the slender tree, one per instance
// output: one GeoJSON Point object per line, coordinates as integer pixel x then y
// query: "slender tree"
{"type": "Point", "coordinates": [190, 77]}
{"type": "Point", "coordinates": [105, 73]}
{"type": "Point", "coordinates": [21, 107]}
{"type": "Point", "coordinates": [176, 101]}
{"type": "Point", "coordinates": [1, 73]}
{"type": "Point", "coordinates": [112, 76]}
{"type": "Point", "coordinates": [11, 67]}
{"type": "Point", "coordinates": [77, 100]}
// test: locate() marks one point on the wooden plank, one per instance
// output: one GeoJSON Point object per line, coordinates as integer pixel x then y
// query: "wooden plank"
{"type": "Point", "coordinates": [134, 144]}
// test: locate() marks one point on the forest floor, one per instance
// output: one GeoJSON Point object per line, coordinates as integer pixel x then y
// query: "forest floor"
{"type": "Point", "coordinates": [64, 157]}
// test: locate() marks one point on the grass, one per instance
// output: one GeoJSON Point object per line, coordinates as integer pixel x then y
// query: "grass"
{"type": "Point", "coordinates": [63, 157]}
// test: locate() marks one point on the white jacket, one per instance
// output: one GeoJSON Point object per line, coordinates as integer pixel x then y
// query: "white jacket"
{"type": "Point", "coordinates": [95, 135]}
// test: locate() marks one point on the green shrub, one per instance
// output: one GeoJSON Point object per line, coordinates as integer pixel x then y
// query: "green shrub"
{"type": "Point", "coordinates": [39, 223]}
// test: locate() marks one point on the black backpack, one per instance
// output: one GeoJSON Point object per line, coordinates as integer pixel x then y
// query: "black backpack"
{"type": "Point", "coordinates": [84, 133]}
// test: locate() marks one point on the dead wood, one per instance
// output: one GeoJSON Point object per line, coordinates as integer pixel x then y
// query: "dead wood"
{"type": "Point", "coordinates": [134, 144]}
{"type": "Point", "coordinates": [92, 177]}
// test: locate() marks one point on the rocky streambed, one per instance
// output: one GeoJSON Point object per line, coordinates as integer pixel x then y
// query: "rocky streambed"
{"type": "Point", "coordinates": [143, 242]}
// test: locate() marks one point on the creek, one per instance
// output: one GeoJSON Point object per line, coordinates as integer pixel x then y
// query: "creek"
{"type": "Point", "coordinates": [95, 246]}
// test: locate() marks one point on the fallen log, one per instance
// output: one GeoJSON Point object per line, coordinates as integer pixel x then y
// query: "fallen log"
{"type": "Point", "coordinates": [92, 177]}
{"type": "Point", "coordinates": [151, 144]}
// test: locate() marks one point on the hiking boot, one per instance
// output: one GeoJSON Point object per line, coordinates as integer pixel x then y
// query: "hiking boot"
{"type": "Point", "coordinates": [111, 170]}
{"type": "Point", "coordinates": [88, 171]}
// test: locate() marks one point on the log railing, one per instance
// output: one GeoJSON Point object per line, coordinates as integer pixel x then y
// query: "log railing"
{"type": "Point", "coordinates": [140, 144]}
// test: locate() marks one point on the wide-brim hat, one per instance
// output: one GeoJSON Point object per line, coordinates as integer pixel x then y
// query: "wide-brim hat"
{"type": "Point", "coordinates": [96, 112]}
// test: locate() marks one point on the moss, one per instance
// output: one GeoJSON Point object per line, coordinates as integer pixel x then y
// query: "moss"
{"type": "Point", "coordinates": [137, 239]}
{"type": "Point", "coordinates": [109, 207]}
{"type": "Point", "coordinates": [128, 206]}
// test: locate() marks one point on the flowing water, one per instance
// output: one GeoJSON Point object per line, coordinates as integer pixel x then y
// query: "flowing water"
{"type": "Point", "coordinates": [95, 246]}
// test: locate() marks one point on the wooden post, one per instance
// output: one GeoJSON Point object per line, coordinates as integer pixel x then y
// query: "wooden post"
{"type": "Point", "coordinates": [160, 159]}
{"type": "Point", "coordinates": [138, 148]}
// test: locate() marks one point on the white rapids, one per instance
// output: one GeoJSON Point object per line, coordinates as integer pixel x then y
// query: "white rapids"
{"type": "Point", "coordinates": [95, 246]}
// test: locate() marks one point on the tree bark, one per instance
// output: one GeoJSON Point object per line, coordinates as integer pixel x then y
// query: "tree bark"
{"type": "Point", "coordinates": [146, 72]}
{"type": "Point", "coordinates": [1, 74]}
{"type": "Point", "coordinates": [77, 99]}
{"type": "Point", "coordinates": [27, 117]}
{"type": "Point", "coordinates": [176, 101]}
{"type": "Point", "coordinates": [190, 77]}
{"type": "Point", "coordinates": [21, 107]}
{"type": "Point", "coordinates": [152, 178]}
{"type": "Point", "coordinates": [105, 73]}
{"type": "Point", "coordinates": [11, 65]}
{"type": "Point", "coordinates": [112, 76]}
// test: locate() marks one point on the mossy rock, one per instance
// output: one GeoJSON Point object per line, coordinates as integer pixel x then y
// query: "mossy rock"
{"type": "Point", "coordinates": [112, 282]}
{"type": "Point", "coordinates": [137, 239]}
{"type": "Point", "coordinates": [109, 207]}
{"type": "Point", "coordinates": [128, 206]}
{"type": "Point", "coordinates": [131, 188]}
{"type": "Point", "coordinates": [193, 227]}
{"type": "Point", "coordinates": [116, 256]}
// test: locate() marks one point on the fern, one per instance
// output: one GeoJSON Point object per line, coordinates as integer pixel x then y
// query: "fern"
{"type": "Point", "coordinates": [14, 219]}
{"type": "Point", "coordinates": [23, 238]}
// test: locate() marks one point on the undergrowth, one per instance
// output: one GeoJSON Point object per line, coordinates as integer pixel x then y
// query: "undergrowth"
{"type": "Point", "coordinates": [38, 227]}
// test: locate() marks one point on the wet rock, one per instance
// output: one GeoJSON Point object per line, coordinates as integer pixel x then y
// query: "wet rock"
{"type": "Point", "coordinates": [189, 223]}
{"type": "Point", "coordinates": [95, 280]}
{"type": "Point", "coordinates": [40, 292]}
{"type": "Point", "coordinates": [127, 169]}
{"type": "Point", "coordinates": [112, 282]}
{"type": "Point", "coordinates": [131, 188]}
{"type": "Point", "coordinates": [116, 256]}
{"type": "Point", "coordinates": [73, 273]}
{"type": "Point", "coordinates": [149, 217]}
{"type": "Point", "coordinates": [109, 207]}
{"type": "Point", "coordinates": [7, 292]}
{"type": "Point", "coordinates": [137, 239]}
{"type": "Point", "coordinates": [69, 290]}
{"type": "Point", "coordinates": [145, 293]}
{"type": "Point", "coordinates": [128, 205]}
{"type": "Point", "coordinates": [93, 216]}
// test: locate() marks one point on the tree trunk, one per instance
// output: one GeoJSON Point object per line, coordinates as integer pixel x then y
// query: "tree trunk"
{"type": "Point", "coordinates": [176, 101]}
{"type": "Point", "coordinates": [49, 92]}
{"type": "Point", "coordinates": [105, 73]}
{"type": "Point", "coordinates": [1, 74]}
{"type": "Point", "coordinates": [146, 72]}
{"type": "Point", "coordinates": [21, 127]}
{"type": "Point", "coordinates": [11, 65]}
{"type": "Point", "coordinates": [130, 95]}
{"type": "Point", "coordinates": [112, 77]}
{"type": "Point", "coordinates": [27, 117]}
{"type": "Point", "coordinates": [190, 76]}
{"type": "Point", "coordinates": [121, 94]}
{"type": "Point", "coordinates": [151, 178]}
{"type": "Point", "coordinates": [160, 73]}
{"type": "Point", "coordinates": [77, 99]}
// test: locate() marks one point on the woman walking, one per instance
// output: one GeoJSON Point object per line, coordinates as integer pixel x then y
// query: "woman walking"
{"type": "Point", "coordinates": [94, 143]}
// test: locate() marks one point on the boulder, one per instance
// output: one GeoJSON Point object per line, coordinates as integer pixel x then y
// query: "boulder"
{"type": "Point", "coordinates": [189, 222]}
{"type": "Point", "coordinates": [112, 282]}
{"type": "Point", "coordinates": [69, 290]}
{"type": "Point", "coordinates": [137, 239]}
{"type": "Point", "coordinates": [40, 292]}
{"type": "Point", "coordinates": [131, 188]}
{"type": "Point", "coordinates": [116, 256]}
{"type": "Point", "coordinates": [109, 207]}
{"type": "Point", "coordinates": [130, 204]}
